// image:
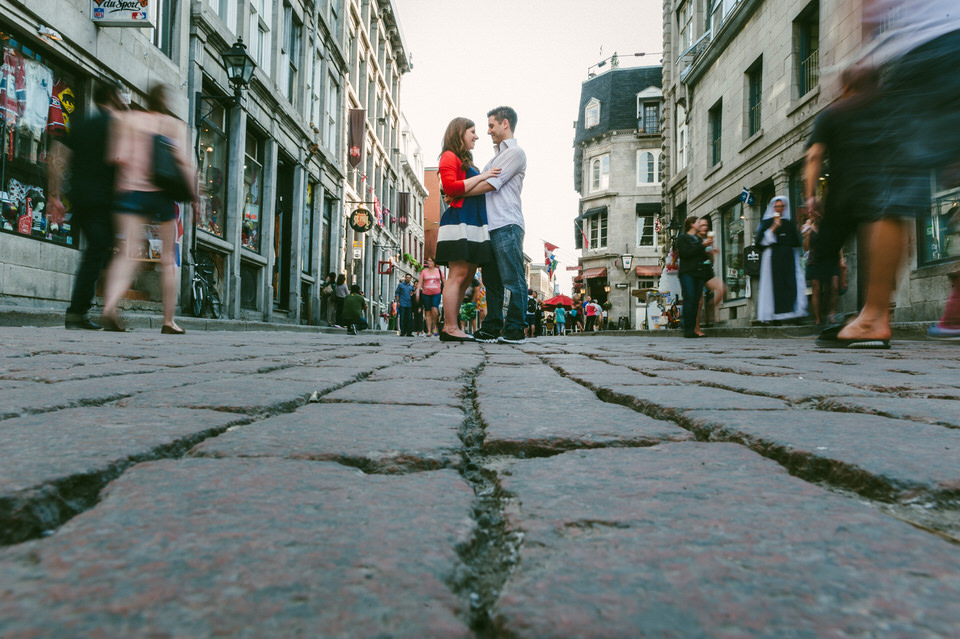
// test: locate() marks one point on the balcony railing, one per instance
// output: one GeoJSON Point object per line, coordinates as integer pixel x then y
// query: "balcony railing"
{"type": "Point", "coordinates": [809, 73]}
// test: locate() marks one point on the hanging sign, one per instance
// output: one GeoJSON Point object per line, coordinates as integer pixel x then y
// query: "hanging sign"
{"type": "Point", "coordinates": [360, 220]}
{"type": "Point", "coordinates": [123, 13]}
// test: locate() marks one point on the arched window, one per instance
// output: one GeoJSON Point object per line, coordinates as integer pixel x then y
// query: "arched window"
{"type": "Point", "coordinates": [600, 173]}
{"type": "Point", "coordinates": [648, 167]}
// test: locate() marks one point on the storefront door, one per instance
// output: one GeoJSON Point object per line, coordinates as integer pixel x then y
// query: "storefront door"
{"type": "Point", "coordinates": [282, 227]}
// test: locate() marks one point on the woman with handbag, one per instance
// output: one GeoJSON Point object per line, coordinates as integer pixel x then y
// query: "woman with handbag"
{"type": "Point", "coordinates": [463, 240]}
{"type": "Point", "coordinates": [145, 146]}
{"type": "Point", "coordinates": [692, 249]}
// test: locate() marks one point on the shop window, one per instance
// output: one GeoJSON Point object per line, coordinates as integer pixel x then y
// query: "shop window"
{"type": "Point", "coordinates": [38, 100]}
{"type": "Point", "coordinates": [252, 194]}
{"type": "Point", "coordinates": [249, 286]}
{"type": "Point", "coordinates": [213, 163]}
{"type": "Point", "coordinates": [936, 242]}
{"type": "Point", "coordinates": [733, 241]}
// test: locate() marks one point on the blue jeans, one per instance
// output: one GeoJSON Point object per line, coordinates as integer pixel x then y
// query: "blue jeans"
{"type": "Point", "coordinates": [406, 320]}
{"type": "Point", "coordinates": [692, 289]}
{"type": "Point", "coordinates": [505, 273]}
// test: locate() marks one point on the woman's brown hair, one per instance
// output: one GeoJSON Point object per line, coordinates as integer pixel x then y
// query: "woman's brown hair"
{"type": "Point", "coordinates": [689, 222]}
{"type": "Point", "coordinates": [453, 141]}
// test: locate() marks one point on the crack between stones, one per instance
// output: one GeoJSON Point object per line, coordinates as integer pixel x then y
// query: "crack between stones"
{"type": "Point", "coordinates": [487, 560]}
{"type": "Point", "coordinates": [38, 511]}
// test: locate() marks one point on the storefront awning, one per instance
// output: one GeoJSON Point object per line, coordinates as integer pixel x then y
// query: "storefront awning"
{"type": "Point", "coordinates": [592, 273]}
{"type": "Point", "coordinates": [594, 211]}
{"type": "Point", "coordinates": [648, 270]}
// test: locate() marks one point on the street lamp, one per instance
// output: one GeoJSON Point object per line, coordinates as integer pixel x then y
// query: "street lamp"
{"type": "Point", "coordinates": [239, 67]}
{"type": "Point", "coordinates": [674, 229]}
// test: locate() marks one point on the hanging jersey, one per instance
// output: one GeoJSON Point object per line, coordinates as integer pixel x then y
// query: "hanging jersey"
{"type": "Point", "coordinates": [38, 80]}
{"type": "Point", "coordinates": [12, 86]}
{"type": "Point", "coordinates": [68, 102]}
{"type": "Point", "coordinates": [55, 122]}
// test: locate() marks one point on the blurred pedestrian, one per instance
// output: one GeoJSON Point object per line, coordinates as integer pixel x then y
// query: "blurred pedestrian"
{"type": "Point", "coordinates": [83, 155]}
{"type": "Point", "coordinates": [712, 283]}
{"type": "Point", "coordinates": [327, 297]}
{"type": "Point", "coordinates": [463, 240]}
{"type": "Point", "coordinates": [429, 289]}
{"type": "Point", "coordinates": [822, 274]}
{"type": "Point", "coordinates": [140, 201]}
{"type": "Point", "coordinates": [692, 252]}
{"type": "Point", "coordinates": [783, 287]}
{"type": "Point", "coordinates": [560, 317]}
{"type": "Point", "coordinates": [468, 307]}
{"type": "Point", "coordinates": [915, 47]}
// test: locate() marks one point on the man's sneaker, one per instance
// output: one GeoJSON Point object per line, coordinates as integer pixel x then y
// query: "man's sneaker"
{"type": "Point", "coordinates": [485, 337]}
{"type": "Point", "coordinates": [513, 337]}
{"type": "Point", "coordinates": [942, 332]}
{"type": "Point", "coordinates": [353, 329]}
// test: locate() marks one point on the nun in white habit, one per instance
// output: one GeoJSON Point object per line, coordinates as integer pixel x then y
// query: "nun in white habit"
{"type": "Point", "coordinates": [783, 288]}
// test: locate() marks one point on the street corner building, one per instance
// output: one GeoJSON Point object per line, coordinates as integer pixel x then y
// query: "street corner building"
{"type": "Point", "coordinates": [617, 172]}
{"type": "Point", "coordinates": [270, 138]}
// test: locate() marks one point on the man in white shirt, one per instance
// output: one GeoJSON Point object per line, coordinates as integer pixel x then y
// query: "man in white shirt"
{"type": "Point", "coordinates": [505, 221]}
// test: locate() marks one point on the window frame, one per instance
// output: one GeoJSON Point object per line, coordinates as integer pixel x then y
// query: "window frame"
{"type": "Point", "coordinates": [598, 231]}
{"type": "Point", "coordinates": [715, 134]}
{"type": "Point", "coordinates": [591, 114]}
{"type": "Point", "coordinates": [653, 170]}
{"type": "Point", "coordinates": [599, 177]}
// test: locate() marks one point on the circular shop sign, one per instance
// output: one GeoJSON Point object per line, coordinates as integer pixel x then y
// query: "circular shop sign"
{"type": "Point", "coordinates": [360, 220]}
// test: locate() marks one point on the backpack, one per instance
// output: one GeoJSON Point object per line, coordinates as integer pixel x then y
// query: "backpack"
{"type": "Point", "coordinates": [531, 305]}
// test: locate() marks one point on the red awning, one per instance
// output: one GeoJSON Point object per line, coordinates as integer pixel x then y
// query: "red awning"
{"type": "Point", "coordinates": [592, 273]}
{"type": "Point", "coordinates": [649, 270]}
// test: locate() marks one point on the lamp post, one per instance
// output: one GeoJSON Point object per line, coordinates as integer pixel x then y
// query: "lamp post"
{"type": "Point", "coordinates": [674, 229]}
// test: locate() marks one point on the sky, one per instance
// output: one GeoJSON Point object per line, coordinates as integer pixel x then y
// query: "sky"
{"type": "Point", "coordinates": [532, 55]}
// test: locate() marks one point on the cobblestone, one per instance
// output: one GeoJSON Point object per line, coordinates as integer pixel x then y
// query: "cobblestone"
{"type": "Point", "coordinates": [284, 484]}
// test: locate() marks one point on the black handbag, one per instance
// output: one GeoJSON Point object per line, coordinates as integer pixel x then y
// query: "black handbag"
{"type": "Point", "coordinates": [167, 175]}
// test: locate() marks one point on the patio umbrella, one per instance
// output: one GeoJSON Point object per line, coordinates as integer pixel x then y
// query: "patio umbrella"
{"type": "Point", "coordinates": [559, 300]}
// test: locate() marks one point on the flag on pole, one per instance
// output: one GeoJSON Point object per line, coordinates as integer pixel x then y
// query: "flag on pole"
{"type": "Point", "coordinates": [549, 258]}
{"type": "Point", "coordinates": [377, 211]}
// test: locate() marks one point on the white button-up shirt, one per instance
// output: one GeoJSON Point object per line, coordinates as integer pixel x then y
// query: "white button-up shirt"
{"type": "Point", "coordinates": [503, 203]}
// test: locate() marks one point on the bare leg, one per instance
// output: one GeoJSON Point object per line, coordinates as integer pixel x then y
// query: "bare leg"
{"type": "Point", "coordinates": [168, 234]}
{"type": "Point", "coordinates": [885, 247]}
{"type": "Point", "coordinates": [453, 296]}
{"type": "Point", "coordinates": [123, 268]}
{"type": "Point", "coordinates": [815, 293]}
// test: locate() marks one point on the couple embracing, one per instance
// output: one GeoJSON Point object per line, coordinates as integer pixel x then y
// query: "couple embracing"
{"type": "Point", "coordinates": [483, 226]}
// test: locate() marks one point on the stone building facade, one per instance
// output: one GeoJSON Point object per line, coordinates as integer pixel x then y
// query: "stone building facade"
{"type": "Point", "coordinates": [743, 81]}
{"type": "Point", "coordinates": [617, 151]}
{"type": "Point", "coordinates": [274, 176]}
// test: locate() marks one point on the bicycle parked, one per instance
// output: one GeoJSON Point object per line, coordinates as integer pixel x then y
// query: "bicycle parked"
{"type": "Point", "coordinates": [204, 297]}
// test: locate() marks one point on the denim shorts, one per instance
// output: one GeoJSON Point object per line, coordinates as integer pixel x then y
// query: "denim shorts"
{"type": "Point", "coordinates": [430, 301]}
{"type": "Point", "coordinates": [156, 206]}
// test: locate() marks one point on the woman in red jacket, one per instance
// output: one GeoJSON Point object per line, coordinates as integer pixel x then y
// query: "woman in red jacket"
{"type": "Point", "coordinates": [463, 241]}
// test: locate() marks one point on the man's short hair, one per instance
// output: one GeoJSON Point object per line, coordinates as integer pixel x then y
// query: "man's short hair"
{"type": "Point", "coordinates": [502, 113]}
{"type": "Point", "coordinates": [355, 289]}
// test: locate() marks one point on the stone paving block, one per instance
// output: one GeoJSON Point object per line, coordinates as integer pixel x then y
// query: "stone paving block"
{"type": "Point", "coordinates": [507, 355]}
{"type": "Point", "coordinates": [792, 388]}
{"type": "Point", "coordinates": [934, 411]}
{"type": "Point", "coordinates": [249, 549]}
{"type": "Point", "coordinates": [325, 377]}
{"type": "Point", "coordinates": [532, 429]}
{"type": "Point", "coordinates": [537, 383]}
{"type": "Point", "coordinates": [710, 540]}
{"type": "Point", "coordinates": [243, 394]}
{"type": "Point", "coordinates": [876, 456]}
{"type": "Point", "coordinates": [408, 438]}
{"type": "Point", "coordinates": [419, 371]}
{"type": "Point", "coordinates": [54, 464]}
{"type": "Point", "coordinates": [401, 391]}
{"type": "Point", "coordinates": [669, 401]}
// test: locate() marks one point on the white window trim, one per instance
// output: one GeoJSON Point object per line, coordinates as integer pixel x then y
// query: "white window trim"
{"type": "Point", "coordinates": [656, 236]}
{"type": "Point", "coordinates": [592, 105]}
{"type": "Point", "coordinates": [602, 183]}
{"type": "Point", "coordinates": [655, 153]}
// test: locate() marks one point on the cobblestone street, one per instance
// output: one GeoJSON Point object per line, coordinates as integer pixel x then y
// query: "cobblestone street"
{"type": "Point", "coordinates": [287, 484]}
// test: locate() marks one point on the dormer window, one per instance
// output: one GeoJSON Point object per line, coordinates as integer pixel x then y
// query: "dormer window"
{"type": "Point", "coordinates": [591, 114]}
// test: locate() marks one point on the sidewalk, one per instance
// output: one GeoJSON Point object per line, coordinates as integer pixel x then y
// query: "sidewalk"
{"type": "Point", "coordinates": [268, 484]}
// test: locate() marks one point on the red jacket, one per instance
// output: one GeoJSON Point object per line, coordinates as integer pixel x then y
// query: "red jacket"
{"type": "Point", "coordinates": [452, 176]}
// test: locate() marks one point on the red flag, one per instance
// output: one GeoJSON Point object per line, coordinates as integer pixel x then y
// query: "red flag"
{"type": "Point", "coordinates": [547, 246]}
